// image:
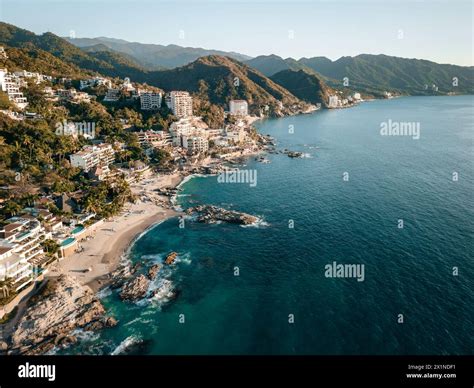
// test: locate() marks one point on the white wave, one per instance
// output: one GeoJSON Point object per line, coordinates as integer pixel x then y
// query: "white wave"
{"type": "Point", "coordinates": [133, 321]}
{"type": "Point", "coordinates": [189, 177]}
{"type": "Point", "coordinates": [186, 258]}
{"type": "Point", "coordinates": [154, 258]}
{"type": "Point", "coordinates": [84, 336]}
{"type": "Point", "coordinates": [125, 256]}
{"type": "Point", "coordinates": [104, 293]}
{"type": "Point", "coordinates": [257, 224]}
{"type": "Point", "coordinates": [164, 291]}
{"type": "Point", "coordinates": [126, 344]}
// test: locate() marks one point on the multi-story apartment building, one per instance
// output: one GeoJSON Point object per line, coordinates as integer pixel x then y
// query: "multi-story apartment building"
{"type": "Point", "coordinates": [91, 156]}
{"type": "Point", "coordinates": [180, 103]}
{"type": "Point", "coordinates": [195, 144]}
{"type": "Point", "coordinates": [10, 86]}
{"type": "Point", "coordinates": [154, 138]}
{"type": "Point", "coordinates": [20, 250]}
{"type": "Point", "coordinates": [150, 101]}
{"type": "Point", "coordinates": [178, 129]}
{"type": "Point", "coordinates": [238, 107]}
{"type": "Point", "coordinates": [96, 81]}
{"type": "Point", "coordinates": [112, 95]}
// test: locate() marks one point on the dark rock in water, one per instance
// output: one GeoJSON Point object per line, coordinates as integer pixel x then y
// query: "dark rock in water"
{"type": "Point", "coordinates": [153, 271]}
{"type": "Point", "coordinates": [294, 154]}
{"type": "Point", "coordinates": [138, 348]}
{"type": "Point", "coordinates": [135, 289]}
{"type": "Point", "coordinates": [171, 258]}
{"type": "Point", "coordinates": [110, 322]}
{"type": "Point", "coordinates": [211, 214]}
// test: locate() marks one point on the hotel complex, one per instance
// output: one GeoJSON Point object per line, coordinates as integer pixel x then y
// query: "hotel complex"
{"type": "Point", "coordinates": [180, 103]}
{"type": "Point", "coordinates": [20, 250]}
{"type": "Point", "coordinates": [9, 84]}
{"type": "Point", "coordinates": [91, 156]}
{"type": "Point", "coordinates": [150, 101]}
{"type": "Point", "coordinates": [238, 107]}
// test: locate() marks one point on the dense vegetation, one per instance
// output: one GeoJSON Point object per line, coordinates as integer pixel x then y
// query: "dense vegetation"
{"type": "Point", "coordinates": [377, 73]}
{"type": "Point", "coordinates": [306, 86]}
{"type": "Point", "coordinates": [220, 79]}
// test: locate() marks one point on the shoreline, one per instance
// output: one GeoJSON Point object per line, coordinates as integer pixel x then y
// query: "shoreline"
{"type": "Point", "coordinates": [102, 254]}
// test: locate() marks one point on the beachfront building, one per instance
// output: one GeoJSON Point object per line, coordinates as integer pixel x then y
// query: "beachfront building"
{"type": "Point", "coordinates": [238, 107]}
{"type": "Point", "coordinates": [91, 156]}
{"type": "Point", "coordinates": [357, 96]}
{"type": "Point", "coordinates": [236, 136]}
{"type": "Point", "coordinates": [154, 139]}
{"type": "Point", "coordinates": [150, 101]}
{"type": "Point", "coordinates": [20, 250]}
{"type": "Point", "coordinates": [9, 85]}
{"type": "Point", "coordinates": [179, 129]}
{"type": "Point", "coordinates": [195, 144]}
{"type": "Point", "coordinates": [180, 103]}
{"type": "Point", "coordinates": [333, 102]}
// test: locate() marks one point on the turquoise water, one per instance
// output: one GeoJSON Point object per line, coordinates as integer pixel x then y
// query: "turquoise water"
{"type": "Point", "coordinates": [408, 271]}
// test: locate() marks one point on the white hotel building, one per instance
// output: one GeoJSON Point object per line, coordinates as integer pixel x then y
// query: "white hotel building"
{"type": "Point", "coordinates": [195, 144]}
{"type": "Point", "coordinates": [180, 103]}
{"type": "Point", "coordinates": [91, 156]}
{"type": "Point", "coordinates": [238, 107]}
{"type": "Point", "coordinates": [20, 245]}
{"type": "Point", "coordinates": [9, 85]}
{"type": "Point", "coordinates": [150, 101]}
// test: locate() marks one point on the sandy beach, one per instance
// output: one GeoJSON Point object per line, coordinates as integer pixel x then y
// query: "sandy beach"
{"type": "Point", "coordinates": [102, 253]}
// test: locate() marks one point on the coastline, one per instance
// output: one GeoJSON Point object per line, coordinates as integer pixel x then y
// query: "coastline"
{"type": "Point", "coordinates": [102, 254]}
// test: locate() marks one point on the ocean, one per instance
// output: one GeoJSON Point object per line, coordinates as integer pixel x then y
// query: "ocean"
{"type": "Point", "coordinates": [399, 207]}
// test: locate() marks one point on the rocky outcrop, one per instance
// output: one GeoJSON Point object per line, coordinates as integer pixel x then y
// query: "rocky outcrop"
{"type": "Point", "coordinates": [135, 288]}
{"type": "Point", "coordinates": [153, 271]}
{"type": "Point", "coordinates": [294, 154]}
{"type": "Point", "coordinates": [171, 258]}
{"type": "Point", "coordinates": [210, 214]}
{"type": "Point", "coordinates": [122, 274]}
{"type": "Point", "coordinates": [64, 306]}
{"type": "Point", "coordinates": [166, 191]}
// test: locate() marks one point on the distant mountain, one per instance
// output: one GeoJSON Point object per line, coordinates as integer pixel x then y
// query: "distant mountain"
{"type": "Point", "coordinates": [102, 48]}
{"type": "Point", "coordinates": [270, 64]}
{"type": "Point", "coordinates": [108, 63]}
{"type": "Point", "coordinates": [376, 73]}
{"type": "Point", "coordinates": [221, 79]}
{"type": "Point", "coordinates": [304, 85]}
{"type": "Point", "coordinates": [153, 56]}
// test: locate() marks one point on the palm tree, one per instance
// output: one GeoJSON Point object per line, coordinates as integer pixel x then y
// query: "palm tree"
{"type": "Point", "coordinates": [12, 208]}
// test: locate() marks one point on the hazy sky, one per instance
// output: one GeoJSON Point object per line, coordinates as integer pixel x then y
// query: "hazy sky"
{"type": "Point", "coordinates": [440, 30]}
